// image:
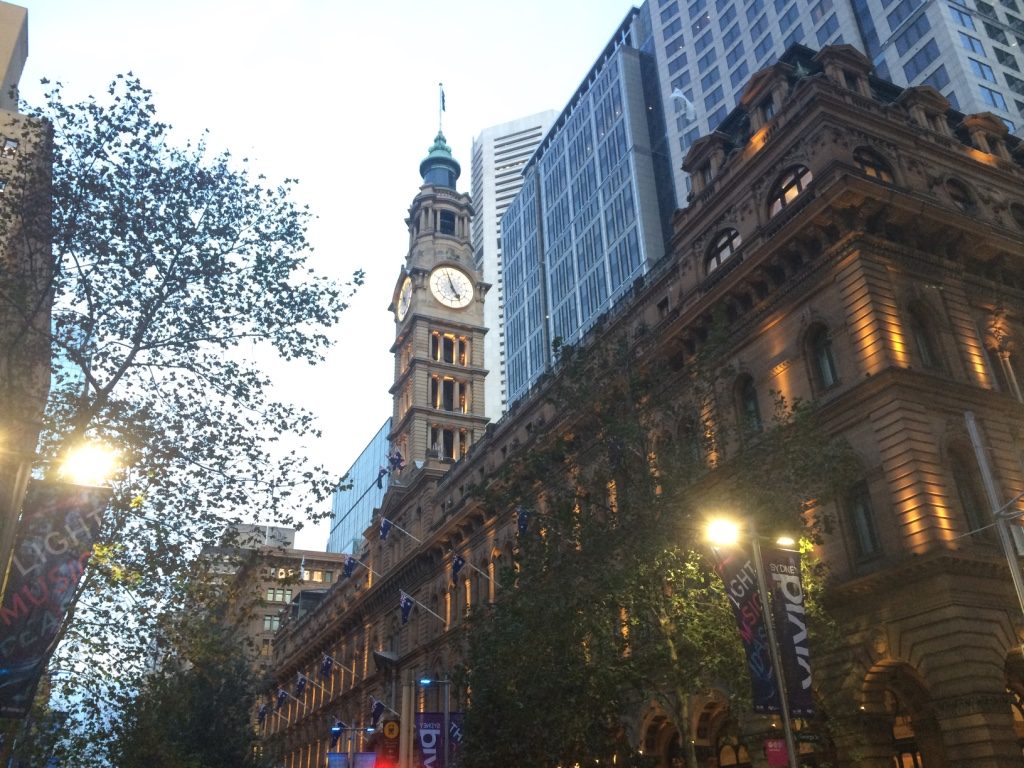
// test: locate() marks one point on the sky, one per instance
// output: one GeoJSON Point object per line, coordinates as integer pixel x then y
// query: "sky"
{"type": "Point", "coordinates": [343, 96]}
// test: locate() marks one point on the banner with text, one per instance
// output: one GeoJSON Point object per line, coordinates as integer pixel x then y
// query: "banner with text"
{"type": "Point", "coordinates": [429, 740]}
{"type": "Point", "coordinates": [58, 525]}
{"type": "Point", "coordinates": [782, 572]}
{"type": "Point", "coordinates": [739, 575]}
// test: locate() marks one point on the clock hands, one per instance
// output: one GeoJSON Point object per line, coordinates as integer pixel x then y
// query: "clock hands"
{"type": "Point", "coordinates": [452, 284]}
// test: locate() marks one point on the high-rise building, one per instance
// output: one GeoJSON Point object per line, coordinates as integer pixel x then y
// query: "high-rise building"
{"type": "Point", "coordinates": [971, 51]}
{"type": "Point", "coordinates": [499, 154]}
{"type": "Point", "coordinates": [365, 485]}
{"type": "Point", "coordinates": [595, 208]}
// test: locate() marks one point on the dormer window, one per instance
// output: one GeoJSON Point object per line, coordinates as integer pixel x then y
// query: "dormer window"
{"type": "Point", "coordinates": [722, 248]}
{"type": "Point", "coordinates": [790, 185]}
{"type": "Point", "coordinates": [872, 164]}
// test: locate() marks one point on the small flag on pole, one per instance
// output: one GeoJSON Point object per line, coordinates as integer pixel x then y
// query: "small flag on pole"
{"type": "Point", "coordinates": [336, 731]}
{"type": "Point", "coordinates": [325, 666]}
{"type": "Point", "coordinates": [405, 602]}
{"type": "Point", "coordinates": [349, 567]}
{"type": "Point", "coordinates": [376, 710]}
{"type": "Point", "coordinates": [457, 562]}
{"type": "Point", "coordinates": [282, 697]}
{"type": "Point", "coordinates": [300, 686]}
{"type": "Point", "coordinates": [262, 714]}
{"type": "Point", "coordinates": [441, 86]}
{"type": "Point", "coordinates": [522, 520]}
{"type": "Point", "coordinates": [385, 528]}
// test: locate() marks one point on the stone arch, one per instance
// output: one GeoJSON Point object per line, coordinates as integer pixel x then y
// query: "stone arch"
{"type": "Point", "coordinates": [895, 696]}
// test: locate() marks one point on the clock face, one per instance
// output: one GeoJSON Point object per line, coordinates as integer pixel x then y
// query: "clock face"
{"type": "Point", "coordinates": [404, 299]}
{"type": "Point", "coordinates": [452, 287]}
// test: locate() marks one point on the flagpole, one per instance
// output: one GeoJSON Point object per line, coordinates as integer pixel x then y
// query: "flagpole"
{"type": "Point", "coordinates": [421, 605]}
{"type": "Point", "coordinates": [396, 525]}
{"type": "Point", "coordinates": [357, 560]}
{"type": "Point", "coordinates": [440, 106]}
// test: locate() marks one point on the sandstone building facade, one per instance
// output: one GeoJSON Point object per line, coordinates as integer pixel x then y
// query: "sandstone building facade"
{"type": "Point", "coordinates": [865, 245]}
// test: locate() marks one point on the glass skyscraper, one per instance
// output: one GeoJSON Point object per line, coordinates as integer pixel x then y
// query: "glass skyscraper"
{"type": "Point", "coordinates": [352, 508]}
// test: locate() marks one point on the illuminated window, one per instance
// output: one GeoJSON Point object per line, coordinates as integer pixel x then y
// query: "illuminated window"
{"type": "Point", "coordinates": [790, 185]}
{"type": "Point", "coordinates": [10, 146]}
{"type": "Point", "coordinates": [861, 518]}
{"type": "Point", "coordinates": [449, 348]}
{"type": "Point", "coordinates": [448, 442]}
{"type": "Point", "coordinates": [723, 246]}
{"type": "Point", "coordinates": [872, 164]}
{"type": "Point", "coordinates": [823, 364]}
{"type": "Point", "coordinates": [447, 394]}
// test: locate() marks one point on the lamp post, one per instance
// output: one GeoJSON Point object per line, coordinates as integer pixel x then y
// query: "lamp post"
{"type": "Point", "coordinates": [725, 533]}
{"type": "Point", "coordinates": [339, 729]}
{"type": "Point", "coordinates": [447, 684]}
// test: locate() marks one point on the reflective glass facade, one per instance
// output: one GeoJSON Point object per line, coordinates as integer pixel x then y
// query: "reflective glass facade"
{"type": "Point", "coordinates": [352, 509]}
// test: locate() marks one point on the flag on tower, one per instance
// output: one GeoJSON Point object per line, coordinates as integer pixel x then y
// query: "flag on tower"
{"type": "Point", "coordinates": [300, 686]}
{"type": "Point", "coordinates": [441, 86]}
{"type": "Point", "coordinates": [262, 714]}
{"type": "Point", "coordinates": [325, 666]}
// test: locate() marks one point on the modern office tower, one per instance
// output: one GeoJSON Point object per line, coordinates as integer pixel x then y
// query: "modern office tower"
{"type": "Point", "coordinates": [969, 50]}
{"type": "Point", "coordinates": [595, 207]}
{"type": "Point", "coordinates": [499, 154]}
{"type": "Point", "coordinates": [352, 508]}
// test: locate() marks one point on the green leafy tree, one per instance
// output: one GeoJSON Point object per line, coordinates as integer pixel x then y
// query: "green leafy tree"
{"type": "Point", "coordinates": [175, 272]}
{"type": "Point", "coordinates": [613, 592]}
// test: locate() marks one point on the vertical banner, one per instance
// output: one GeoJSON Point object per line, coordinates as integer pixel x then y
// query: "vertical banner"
{"type": "Point", "coordinates": [736, 567]}
{"type": "Point", "coordinates": [429, 740]}
{"type": "Point", "coordinates": [782, 572]}
{"type": "Point", "coordinates": [58, 525]}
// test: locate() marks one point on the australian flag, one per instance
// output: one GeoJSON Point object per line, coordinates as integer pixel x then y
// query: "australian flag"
{"type": "Point", "coordinates": [457, 562]}
{"type": "Point", "coordinates": [522, 520]}
{"type": "Point", "coordinates": [325, 666]}
{"type": "Point", "coordinates": [385, 528]}
{"type": "Point", "coordinates": [405, 602]}
{"type": "Point", "coordinates": [261, 716]}
{"type": "Point", "coordinates": [349, 567]}
{"type": "Point", "coordinates": [282, 697]}
{"type": "Point", "coordinates": [300, 686]}
{"type": "Point", "coordinates": [376, 710]}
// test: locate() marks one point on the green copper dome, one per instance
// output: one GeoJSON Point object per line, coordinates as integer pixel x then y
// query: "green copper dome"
{"type": "Point", "coordinates": [439, 168]}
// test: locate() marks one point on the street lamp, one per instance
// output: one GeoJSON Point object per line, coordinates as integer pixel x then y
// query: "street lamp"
{"type": "Point", "coordinates": [725, 533]}
{"type": "Point", "coordinates": [91, 463]}
{"type": "Point", "coordinates": [426, 682]}
{"type": "Point", "coordinates": [339, 729]}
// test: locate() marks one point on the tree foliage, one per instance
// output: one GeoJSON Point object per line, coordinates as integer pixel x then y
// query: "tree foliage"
{"type": "Point", "coordinates": [176, 270]}
{"type": "Point", "coordinates": [613, 590]}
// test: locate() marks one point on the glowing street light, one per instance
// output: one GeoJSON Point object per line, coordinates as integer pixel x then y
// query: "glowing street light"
{"type": "Point", "coordinates": [726, 533]}
{"type": "Point", "coordinates": [447, 684]}
{"type": "Point", "coordinates": [91, 463]}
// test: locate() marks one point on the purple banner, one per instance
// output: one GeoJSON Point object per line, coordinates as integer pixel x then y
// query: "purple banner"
{"type": "Point", "coordinates": [782, 571]}
{"type": "Point", "coordinates": [58, 525]}
{"type": "Point", "coordinates": [429, 739]}
{"type": "Point", "coordinates": [740, 578]}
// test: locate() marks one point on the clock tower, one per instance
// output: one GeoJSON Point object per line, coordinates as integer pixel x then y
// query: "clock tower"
{"type": "Point", "coordinates": [438, 307]}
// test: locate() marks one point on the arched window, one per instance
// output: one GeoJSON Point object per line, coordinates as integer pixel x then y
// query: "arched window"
{"type": "Point", "coordinates": [788, 188]}
{"type": "Point", "coordinates": [823, 364]}
{"type": "Point", "coordinates": [923, 336]}
{"type": "Point", "coordinates": [873, 164]}
{"type": "Point", "coordinates": [969, 492]}
{"type": "Point", "coordinates": [722, 247]}
{"type": "Point", "coordinates": [746, 400]}
{"type": "Point", "coordinates": [861, 519]}
{"type": "Point", "coordinates": [959, 194]}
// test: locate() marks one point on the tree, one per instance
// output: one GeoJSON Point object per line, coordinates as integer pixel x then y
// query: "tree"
{"type": "Point", "coordinates": [613, 590]}
{"type": "Point", "coordinates": [174, 270]}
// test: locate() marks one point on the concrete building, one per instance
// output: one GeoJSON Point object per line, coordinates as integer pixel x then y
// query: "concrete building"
{"type": "Point", "coordinates": [499, 155]}
{"type": "Point", "coordinates": [595, 207]}
{"type": "Point", "coordinates": [352, 508]}
{"type": "Point", "coordinates": [864, 245]}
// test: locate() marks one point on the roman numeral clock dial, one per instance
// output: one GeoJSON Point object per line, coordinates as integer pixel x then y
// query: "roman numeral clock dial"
{"type": "Point", "coordinates": [452, 287]}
